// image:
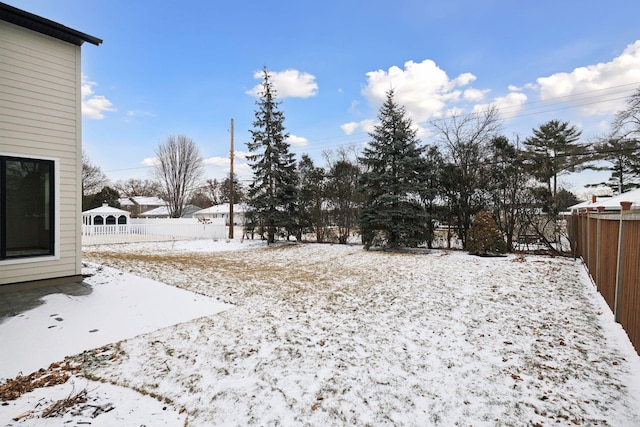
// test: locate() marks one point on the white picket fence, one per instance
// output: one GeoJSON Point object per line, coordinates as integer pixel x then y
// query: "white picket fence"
{"type": "Point", "coordinates": [153, 229]}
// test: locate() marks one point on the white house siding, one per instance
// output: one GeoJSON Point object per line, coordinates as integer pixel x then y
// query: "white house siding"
{"type": "Point", "coordinates": [40, 117]}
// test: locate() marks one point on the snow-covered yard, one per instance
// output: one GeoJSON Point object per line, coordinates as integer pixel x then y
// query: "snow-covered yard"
{"type": "Point", "coordinates": [334, 335]}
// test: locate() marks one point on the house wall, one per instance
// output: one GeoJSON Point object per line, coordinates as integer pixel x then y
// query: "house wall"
{"type": "Point", "coordinates": [40, 117]}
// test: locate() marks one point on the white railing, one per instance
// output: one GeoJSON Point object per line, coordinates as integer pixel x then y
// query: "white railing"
{"type": "Point", "coordinates": [152, 229]}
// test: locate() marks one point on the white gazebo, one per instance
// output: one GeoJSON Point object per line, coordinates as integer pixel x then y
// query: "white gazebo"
{"type": "Point", "coordinates": [106, 219]}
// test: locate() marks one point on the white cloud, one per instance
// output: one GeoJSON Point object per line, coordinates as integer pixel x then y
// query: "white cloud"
{"type": "Point", "coordinates": [508, 106]}
{"type": "Point", "coordinates": [349, 128]}
{"type": "Point", "coordinates": [288, 84]}
{"type": "Point", "coordinates": [218, 167]}
{"type": "Point", "coordinates": [150, 161]}
{"type": "Point", "coordinates": [93, 106]}
{"type": "Point", "coordinates": [474, 95]}
{"type": "Point", "coordinates": [131, 114]}
{"type": "Point", "coordinates": [243, 171]}
{"type": "Point", "coordinates": [354, 107]}
{"type": "Point", "coordinates": [216, 161]}
{"type": "Point", "coordinates": [240, 154]}
{"type": "Point", "coordinates": [366, 126]}
{"type": "Point", "coordinates": [423, 88]}
{"type": "Point", "coordinates": [224, 161]}
{"type": "Point", "coordinates": [594, 88]}
{"type": "Point", "coordinates": [464, 79]}
{"type": "Point", "coordinates": [298, 141]}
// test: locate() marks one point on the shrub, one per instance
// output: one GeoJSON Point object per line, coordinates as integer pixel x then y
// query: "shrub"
{"type": "Point", "coordinates": [484, 238]}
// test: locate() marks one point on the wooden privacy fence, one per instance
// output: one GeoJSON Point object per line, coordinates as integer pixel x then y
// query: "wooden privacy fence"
{"type": "Point", "coordinates": [153, 229]}
{"type": "Point", "coordinates": [609, 244]}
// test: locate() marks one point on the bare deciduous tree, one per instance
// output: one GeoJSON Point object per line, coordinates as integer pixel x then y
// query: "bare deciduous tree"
{"type": "Point", "coordinates": [626, 124]}
{"type": "Point", "coordinates": [93, 179]}
{"type": "Point", "coordinates": [138, 187]}
{"type": "Point", "coordinates": [465, 140]}
{"type": "Point", "coordinates": [179, 167]}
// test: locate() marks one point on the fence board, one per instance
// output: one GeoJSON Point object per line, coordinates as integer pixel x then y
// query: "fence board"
{"type": "Point", "coordinates": [592, 240]}
{"type": "Point", "coordinates": [630, 289]}
{"type": "Point", "coordinates": [161, 229]}
{"type": "Point", "coordinates": [608, 260]}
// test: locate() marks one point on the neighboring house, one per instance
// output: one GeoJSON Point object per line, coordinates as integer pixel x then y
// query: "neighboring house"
{"type": "Point", "coordinates": [222, 211]}
{"type": "Point", "coordinates": [138, 205]}
{"type": "Point", "coordinates": [126, 203]}
{"type": "Point", "coordinates": [613, 203]}
{"type": "Point", "coordinates": [587, 205]}
{"type": "Point", "coordinates": [40, 149]}
{"type": "Point", "coordinates": [163, 212]}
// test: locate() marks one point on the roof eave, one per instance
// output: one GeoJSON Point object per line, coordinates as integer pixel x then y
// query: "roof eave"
{"type": "Point", "coordinates": [45, 26]}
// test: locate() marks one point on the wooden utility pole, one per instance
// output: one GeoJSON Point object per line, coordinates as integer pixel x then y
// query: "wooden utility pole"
{"type": "Point", "coordinates": [231, 177]}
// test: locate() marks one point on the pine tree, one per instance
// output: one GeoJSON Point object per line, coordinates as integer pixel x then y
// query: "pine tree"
{"type": "Point", "coordinates": [393, 182]}
{"type": "Point", "coordinates": [623, 158]}
{"type": "Point", "coordinates": [272, 193]}
{"type": "Point", "coordinates": [484, 237]}
{"type": "Point", "coordinates": [552, 150]}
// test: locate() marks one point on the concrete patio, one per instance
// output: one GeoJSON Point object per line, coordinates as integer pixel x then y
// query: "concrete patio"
{"type": "Point", "coordinates": [15, 299]}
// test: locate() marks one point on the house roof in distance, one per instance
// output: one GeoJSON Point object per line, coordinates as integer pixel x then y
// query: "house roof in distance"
{"type": "Point", "coordinates": [142, 201]}
{"type": "Point", "coordinates": [148, 201]}
{"type": "Point", "coordinates": [163, 211]}
{"type": "Point", "coordinates": [45, 26]}
{"type": "Point", "coordinates": [613, 203]}
{"type": "Point", "coordinates": [222, 209]}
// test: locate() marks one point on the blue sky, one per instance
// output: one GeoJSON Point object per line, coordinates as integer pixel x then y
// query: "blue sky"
{"type": "Point", "coordinates": [188, 67]}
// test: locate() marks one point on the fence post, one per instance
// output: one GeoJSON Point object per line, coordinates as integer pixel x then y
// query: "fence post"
{"type": "Point", "coordinates": [587, 249]}
{"type": "Point", "coordinates": [585, 220]}
{"type": "Point", "coordinates": [626, 208]}
{"type": "Point", "coordinates": [573, 235]}
{"type": "Point", "coordinates": [598, 245]}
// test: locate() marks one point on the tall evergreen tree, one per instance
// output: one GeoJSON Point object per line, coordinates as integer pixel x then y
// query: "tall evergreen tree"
{"type": "Point", "coordinates": [393, 182]}
{"type": "Point", "coordinates": [272, 193]}
{"type": "Point", "coordinates": [238, 190]}
{"type": "Point", "coordinates": [623, 161]}
{"type": "Point", "coordinates": [552, 150]}
{"type": "Point", "coordinates": [107, 195]}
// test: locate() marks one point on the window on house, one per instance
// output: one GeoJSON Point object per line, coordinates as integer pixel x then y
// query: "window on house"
{"type": "Point", "coordinates": [26, 207]}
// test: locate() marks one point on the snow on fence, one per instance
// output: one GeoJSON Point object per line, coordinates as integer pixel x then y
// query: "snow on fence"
{"type": "Point", "coordinates": [153, 229]}
{"type": "Point", "coordinates": [608, 243]}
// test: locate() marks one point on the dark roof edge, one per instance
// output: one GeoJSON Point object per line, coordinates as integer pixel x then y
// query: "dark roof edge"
{"type": "Point", "coordinates": [45, 26]}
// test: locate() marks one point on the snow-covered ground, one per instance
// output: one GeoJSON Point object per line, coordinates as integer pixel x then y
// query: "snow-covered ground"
{"type": "Point", "coordinates": [334, 335]}
{"type": "Point", "coordinates": [119, 306]}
